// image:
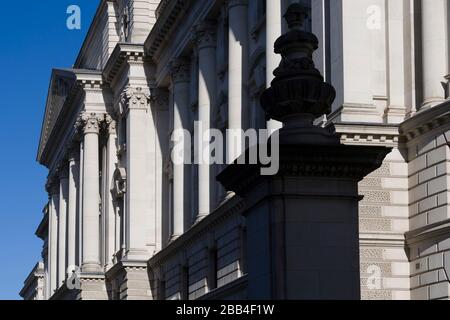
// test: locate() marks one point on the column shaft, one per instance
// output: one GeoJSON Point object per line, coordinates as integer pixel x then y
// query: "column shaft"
{"type": "Point", "coordinates": [435, 56]}
{"type": "Point", "coordinates": [72, 213]}
{"type": "Point", "coordinates": [53, 240]}
{"type": "Point", "coordinates": [111, 160]}
{"type": "Point", "coordinates": [206, 37]}
{"type": "Point", "coordinates": [237, 76]}
{"type": "Point", "coordinates": [91, 197]}
{"type": "Point", "coordinates": [274, 27]}
{"type": "Point", "coordinates": [181, 201]}
{"type": "Point", "coordinates": [62, 225]}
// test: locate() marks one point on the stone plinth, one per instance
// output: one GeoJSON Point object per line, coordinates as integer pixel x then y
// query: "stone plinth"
{"type": "Point", "coordinates": [303, 221]}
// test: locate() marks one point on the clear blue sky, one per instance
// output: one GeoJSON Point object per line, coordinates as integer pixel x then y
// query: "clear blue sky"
{"type": "Point", "coordinates": [34, 39]}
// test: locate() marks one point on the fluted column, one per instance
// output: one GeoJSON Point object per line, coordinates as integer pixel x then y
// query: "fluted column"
{"type": "Point", "coordinates": [435, 56]}
{"type": "Point", "coordinates": [62, 221]}
{"type": "Point", "coordinates": [72, 212]}
{"type": "Point", "coordinates": [274, 27]}
{"type": "Point", "coordinates": [205, 35]}
{"type": "Point", "coordinates": [53, 190]}
{"type": "Point", "coordinates": [237, 75]}
{"type": "Point", "coordinates": [180, 70]}
{"type": "Point", "coordinates": [91, 196]}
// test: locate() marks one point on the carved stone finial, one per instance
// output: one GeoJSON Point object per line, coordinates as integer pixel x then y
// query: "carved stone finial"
{"type": "Point", "coordinates": [298, 94]}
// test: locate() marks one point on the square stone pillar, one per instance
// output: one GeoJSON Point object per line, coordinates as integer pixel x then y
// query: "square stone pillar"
{"type": "Point", "coordinates": [302, 223]}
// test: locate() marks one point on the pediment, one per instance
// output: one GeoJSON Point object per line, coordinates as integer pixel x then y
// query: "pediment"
{"type": "Point", "coordinates": [61, 83]}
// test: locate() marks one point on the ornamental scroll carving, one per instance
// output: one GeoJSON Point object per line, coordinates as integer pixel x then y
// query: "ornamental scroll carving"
{"type": "Point", "coordinates": [204, 34]}
{"type": "Point", "coordinates": [180, 70]}
{"type": "Point", "coordinates": [89, 122]}
{"type": "Point", "coordinates": [134, 98]}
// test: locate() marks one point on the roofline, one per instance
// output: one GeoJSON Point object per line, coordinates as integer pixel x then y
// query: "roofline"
{"type": "Point", "coordinates": [90, 32]}
{"type": "Point", "coordinates": [54, 72]}
{"type": "Point", "coordinates": [82, 76]}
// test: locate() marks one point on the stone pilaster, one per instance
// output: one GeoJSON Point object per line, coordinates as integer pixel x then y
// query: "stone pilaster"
{"type": "Point", "coordinates": [139, 213]}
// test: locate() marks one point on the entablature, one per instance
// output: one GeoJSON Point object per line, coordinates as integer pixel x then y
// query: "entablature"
{"type": "Point", "coordinates": [86, 91]}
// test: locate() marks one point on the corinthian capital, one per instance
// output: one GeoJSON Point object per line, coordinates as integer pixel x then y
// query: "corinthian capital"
{"type": "Point", "coordinates": [180, 70]}
{"type": "Point", "coordinates": [204, 34]}
{"type": "Point", "coordinates": [89, 122]}
{"type": "Point", "coordinates": [135, 98]}
{"type": "Point", "coordinates": [160, 98]}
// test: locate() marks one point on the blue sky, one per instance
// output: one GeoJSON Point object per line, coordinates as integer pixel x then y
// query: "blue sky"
{"type": "Point", "coordinates": [34, 40]}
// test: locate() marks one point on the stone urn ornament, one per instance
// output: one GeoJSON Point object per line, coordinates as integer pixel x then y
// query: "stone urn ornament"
{"type": "Point", "coordinates": [298, 94]}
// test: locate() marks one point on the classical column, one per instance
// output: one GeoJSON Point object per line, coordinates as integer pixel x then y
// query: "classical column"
{"type": "Point", "coordinates": [180, 70]}
{"type": "Point", "coordinates": [237, 75]}
{"type": "Point", "coordinates": [160, 105]}
{"type": "Point", "coordinates": [274, 26]}
{"type": "Point", "coordinates": [397, 48]}
{"type": "Point", "coordinates": [435, 58]}
{"type": "Point", "coordinates": [53, 190]}
{"type": "Point", "coordinates": [62, 221]}
{"type": "Point", "coordinates": [91, 196]}
{"type": "Point", "coordinates": [72, 212]}
{"type": "Point", "coordinates": [205, 35]}
{"type": "Point", "coordinates": [111, 161]}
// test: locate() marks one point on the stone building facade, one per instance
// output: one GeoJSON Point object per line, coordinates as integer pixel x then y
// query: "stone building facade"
{"type": "Point", "coordinates": [132, 225]}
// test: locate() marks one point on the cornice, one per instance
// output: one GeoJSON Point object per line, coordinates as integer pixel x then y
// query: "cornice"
{"type": "Point", "coordinates": [233, 206]}
{"type": "Point", "coordinates": [303, 160]}
{"type": "Point", "coordinates": [42, 230]}
{"type": "Point", "coordinates": [61, 85]}
{"type": "Point", "coordinates": [368, 134]}
{"type": "Point", "coordinates": [89, 79]}
{"type": "Point", "coordinates": [168, 12]}
{"type": "Point", "coordinates": [85, 80]}
{"type": "Point", "coordinates": [35, 274]}
{"type": "Point", "coordinates": [122, 53]}
{"type": "Point", "coordinates": [431, 121]}
{"type": "Point", "coordinates": [431, 232]}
